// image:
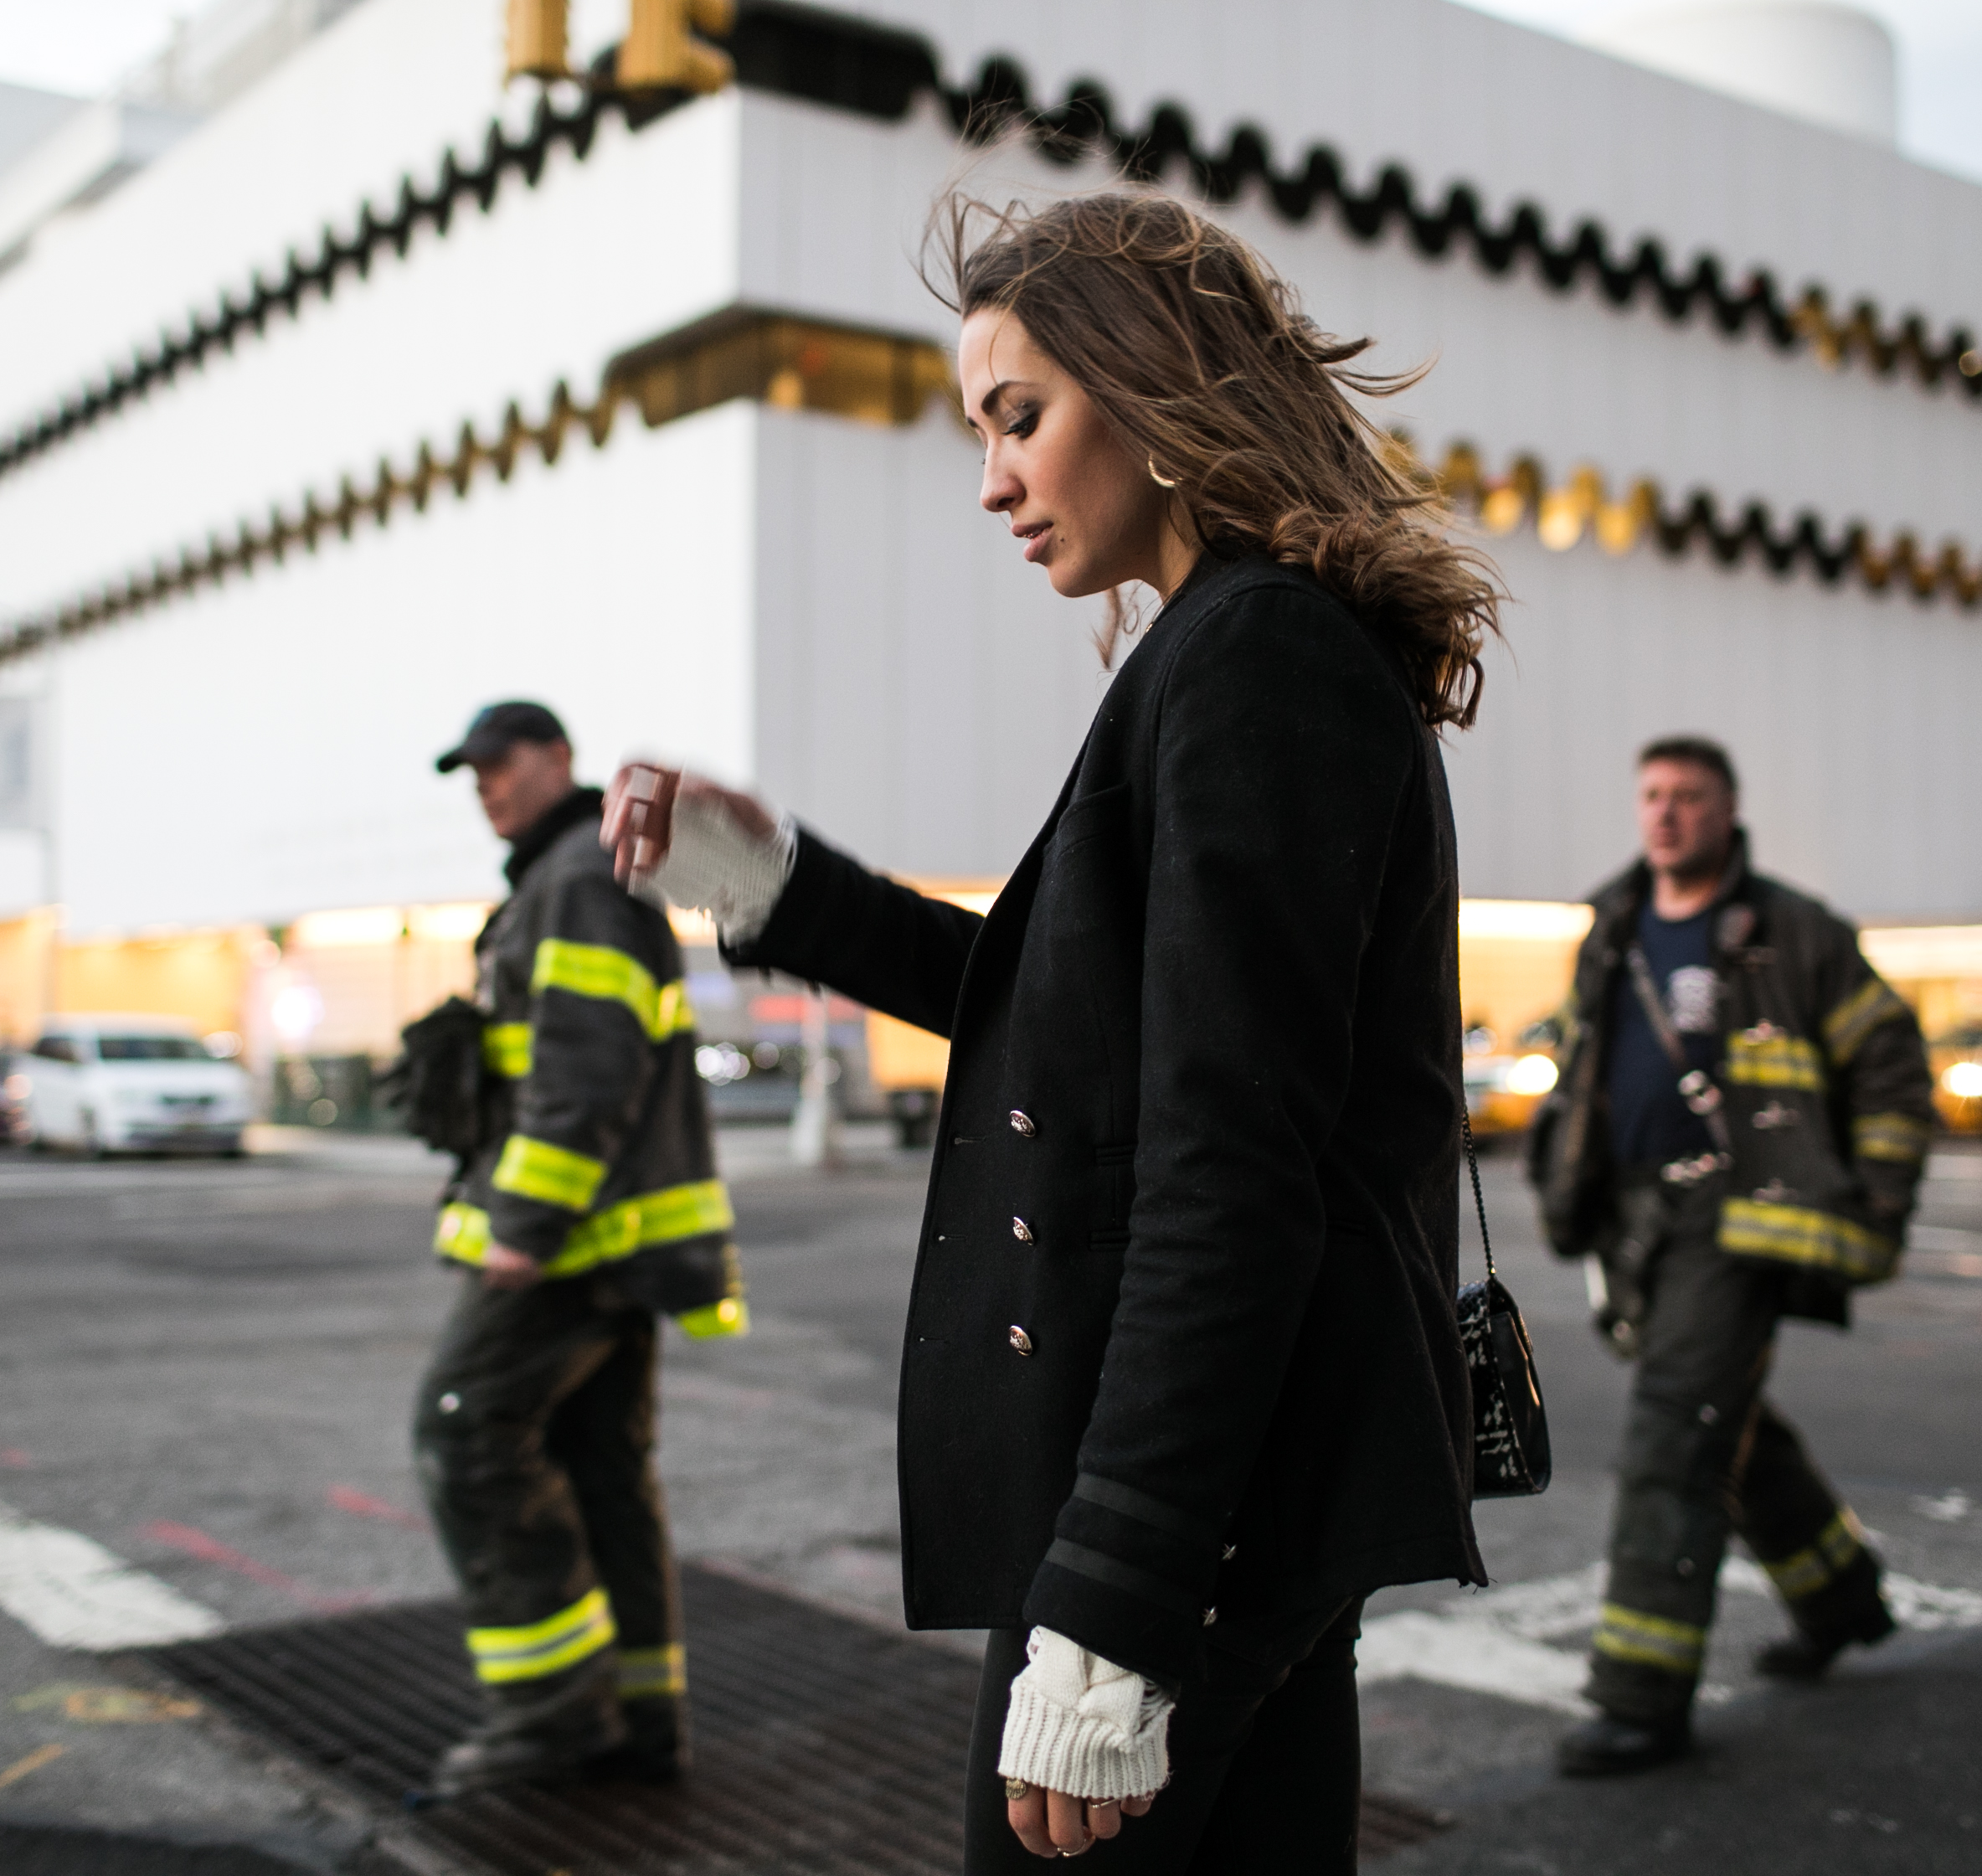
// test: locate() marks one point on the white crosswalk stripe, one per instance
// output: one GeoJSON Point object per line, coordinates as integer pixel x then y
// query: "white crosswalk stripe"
{"type": "Point", "coordinates": [1496, 1641]}
{"type": "Point", "coordinates": [75, 1594]}
{"type": "Point", "coordinates": [1463, 1651]}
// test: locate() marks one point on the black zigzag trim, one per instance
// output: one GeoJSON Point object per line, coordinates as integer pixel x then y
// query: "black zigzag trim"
{"type": "Point", "coordinates": [1084, 125]}
{"type": "Point", "coordinates": [458, 185]}
{"type": "Point", "coordinates": [853, 64]}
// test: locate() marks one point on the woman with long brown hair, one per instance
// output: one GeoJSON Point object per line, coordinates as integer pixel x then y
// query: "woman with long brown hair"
{"type": "Point", "coordinates": [1182, 1382]}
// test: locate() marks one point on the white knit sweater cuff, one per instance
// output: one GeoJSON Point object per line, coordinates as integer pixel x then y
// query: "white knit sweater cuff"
{"type": "Point", "coordinates": [714, 865]}
{"type": "Point", "coordinates": [1082, 1725]}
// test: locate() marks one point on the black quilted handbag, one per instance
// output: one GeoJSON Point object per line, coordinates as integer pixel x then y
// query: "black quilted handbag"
{"type": "Point", "coordinates": [1509, 1424]}
{"type": "Point", "coordinates": [437, 1080]}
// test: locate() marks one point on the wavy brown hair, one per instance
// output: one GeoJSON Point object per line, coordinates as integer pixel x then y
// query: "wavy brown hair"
{"type": "Point", "coordinates": [1198, 356]}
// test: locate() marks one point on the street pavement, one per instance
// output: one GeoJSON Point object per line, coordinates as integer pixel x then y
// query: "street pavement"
{"type": "Point", "coordinates": [205, 1371]}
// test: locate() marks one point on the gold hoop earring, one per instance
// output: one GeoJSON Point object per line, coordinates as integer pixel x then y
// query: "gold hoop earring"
{"type": "Point", "coordinates": [1161, 481]}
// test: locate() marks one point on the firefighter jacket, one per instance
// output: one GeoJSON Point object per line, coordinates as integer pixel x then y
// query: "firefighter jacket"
{"type": "Point", "coordinates": [1823, 1076]}
{"type": "Point", "coordinates": [594, 1148]}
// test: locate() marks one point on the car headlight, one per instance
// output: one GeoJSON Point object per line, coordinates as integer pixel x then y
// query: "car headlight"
{"type": "Point", "coordinates": [721, 1062]}
{"type": "Point", "coordinates": [1533, 1074]}
{"type": "Point", "coordinates": [1963, 1080]}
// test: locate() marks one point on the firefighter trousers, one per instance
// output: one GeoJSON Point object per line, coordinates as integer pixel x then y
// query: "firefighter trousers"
{"type": "Point", "coordinates": [1705, 1454]}
{"type": "Point", "coordinates": [534, 1434]}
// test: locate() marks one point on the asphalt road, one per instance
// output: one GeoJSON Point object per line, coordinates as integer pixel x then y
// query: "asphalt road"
{"type": "Point", "coordinates": [206, 1370]}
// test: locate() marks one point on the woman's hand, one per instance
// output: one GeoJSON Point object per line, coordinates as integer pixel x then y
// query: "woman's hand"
{"type": "Point", "coordinates": [639, 823]}
{"type": "Point", "coordinates": [1052, 1824]}
{"type": "Point", "coordinates": [638, 828]}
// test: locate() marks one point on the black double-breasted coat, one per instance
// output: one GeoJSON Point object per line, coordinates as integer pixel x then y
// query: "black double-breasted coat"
{"type": "Point", "coordinates": [1181, 1334]}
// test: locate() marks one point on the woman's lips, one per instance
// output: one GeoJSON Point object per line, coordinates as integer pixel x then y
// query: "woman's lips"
{"type": "Point", "coordinates": [1035, 538]}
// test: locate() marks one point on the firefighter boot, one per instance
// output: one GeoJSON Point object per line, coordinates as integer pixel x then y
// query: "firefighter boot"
{"type": "Point", "coordinates": [1803, 1656]}
{"type": "Point", "coordinates": [540, 1729]}
{"type": "Point", "coordinates": [1814, 1550]}
{"type": "Point", "coordinates": [1602, 1747]}
{"type": "Point", "coordinates": [655, 1748]}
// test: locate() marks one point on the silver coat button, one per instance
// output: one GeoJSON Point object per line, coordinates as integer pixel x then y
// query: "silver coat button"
{"type": "Point", "coordinates": [1020, 1340]}
{"type": "Point", "coordinates": [450, 1402]}
{"type": "Point", "coordinates": [1023, 1123]}
{"type": "Point", "coordinates": [1021, 1230]}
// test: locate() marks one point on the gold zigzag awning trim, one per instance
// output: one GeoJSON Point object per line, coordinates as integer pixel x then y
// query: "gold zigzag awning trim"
{"type": "Point", "coordinates": [1833, 341]}
{"type": "Point", "coordinates": [879, 378]}
{"type": "Point", "coordinates": [1563, 513]}
{"type": "Point", "coordinates": [793, 364]}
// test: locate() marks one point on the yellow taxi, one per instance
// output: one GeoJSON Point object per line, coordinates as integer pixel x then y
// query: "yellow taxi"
{"type": "Point", "coordinates": [1956, 1060]}
{"type": "Point", "coordinates": [1504, 1087]}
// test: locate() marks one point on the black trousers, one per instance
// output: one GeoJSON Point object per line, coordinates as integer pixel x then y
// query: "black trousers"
{"type": "Point", "coordinates": [1705, 1454]}
{"type": "Point", "coordinates": [534, 1434]}
{"type": "Point", "coordinates": [1265, 1759]}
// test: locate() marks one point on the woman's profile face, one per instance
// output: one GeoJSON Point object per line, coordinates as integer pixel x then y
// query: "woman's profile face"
{"type": "Point", "coordinates": [1084, 507]}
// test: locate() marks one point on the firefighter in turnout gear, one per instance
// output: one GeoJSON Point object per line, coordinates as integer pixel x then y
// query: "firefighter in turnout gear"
{"type": "Point", "coordinates": [1741, 1122]}
{"type": "Point", "coordinates": [589, 1204]}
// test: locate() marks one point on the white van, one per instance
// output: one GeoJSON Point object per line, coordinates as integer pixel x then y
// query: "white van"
{"type": "Point", "coordinates": [126, 1084]}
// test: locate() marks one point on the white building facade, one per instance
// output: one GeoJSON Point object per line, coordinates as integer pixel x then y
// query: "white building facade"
{"type": "Point", "coordinates": [240, 609]}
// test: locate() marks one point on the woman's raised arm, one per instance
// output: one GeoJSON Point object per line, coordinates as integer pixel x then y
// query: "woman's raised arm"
{"type": "Point", "coordinates": [782, 898]}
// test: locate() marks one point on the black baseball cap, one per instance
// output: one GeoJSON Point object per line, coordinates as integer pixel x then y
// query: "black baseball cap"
{"type": "Point", "coordinates": [496, 727]}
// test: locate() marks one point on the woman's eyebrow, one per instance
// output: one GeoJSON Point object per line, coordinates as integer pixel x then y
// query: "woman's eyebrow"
{"type": "Point", "coordinates": [989, 402]}
{"type": "Point", "coordinates": [995, 395]}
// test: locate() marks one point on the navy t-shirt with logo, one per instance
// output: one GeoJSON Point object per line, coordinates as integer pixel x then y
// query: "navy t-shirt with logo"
{"type": "Point", "coordinates": [1650, 1120]}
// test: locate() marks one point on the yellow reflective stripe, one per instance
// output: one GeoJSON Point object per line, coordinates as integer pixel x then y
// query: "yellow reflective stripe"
{"type": "Point", "coordinates": [1818, 1567]}
{"type": "Point", "coordinates": [1801, 1576]}
{"type": "Point", "coordinates": [1842, 1538]}
{"type": "Point", "coordinates": [545, 1647]}
{"type": "Point", "coordinates": [1801, 1234]}
{"type": "Point", "coordinates": [1651, 1641]}
{"type": "Point", "coordinates": [1774, 1062]}
{"type": "Point", "coordinates": [506, 1049]}
{"type": "Point", "coordinates": [553, 1630]}
{"type": "Point", "coordinates": [730, 1317]}
{"type": "Point", "coordinates": [536, 1169]}
{"type": "Point", "coordinates": [1872, 1003]}
{"type": "Point", "coordinates": [653, 1218]}
{"type": "Point", "coordinates": [673, 1014]}
{"type": "Point", "coordinates": [647, 1672]}
{"type": "Point", "coordinates": [661, 1010]}
{"type": "Point", "coordinates": [462, 1233]}
{"type": "Point", "coordinates": [1897, 1137]}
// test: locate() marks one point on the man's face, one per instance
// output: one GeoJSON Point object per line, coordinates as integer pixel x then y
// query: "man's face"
{"type": "Point", "coordinates": [522, 784]}
{"type": "Point", "coordinates": [1685, 819]}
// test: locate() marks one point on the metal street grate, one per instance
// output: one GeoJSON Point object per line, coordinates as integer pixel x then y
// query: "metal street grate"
{"type": "Point", "coordinates": [823, 1746]}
